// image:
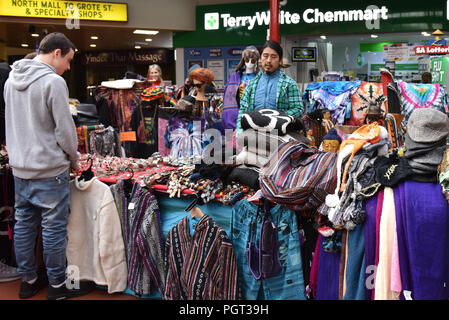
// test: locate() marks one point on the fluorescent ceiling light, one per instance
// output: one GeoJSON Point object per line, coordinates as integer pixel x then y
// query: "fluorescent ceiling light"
{"type": "Point", "coordinates": [24, 45]}
{"type": "Point", "coordinates": [323, 37]}
{"type": "Point", "coordinates": [148, 39]}
{"type": "Point", "coordinates": [93, 45]}
{"type": "Point", "coordinates": [35, 35]}
{"type": "Point", "coordinates": [137, 47]}
{"type": "Point", "coordinates": [152, 32]}
{"type": "Point", "coordinates": [94, 37]}
{"type": "Point", "coordinates": [374, 36]}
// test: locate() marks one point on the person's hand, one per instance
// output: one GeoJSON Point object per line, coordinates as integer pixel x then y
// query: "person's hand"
{"type": "Point", "coordinates": [74, 165]}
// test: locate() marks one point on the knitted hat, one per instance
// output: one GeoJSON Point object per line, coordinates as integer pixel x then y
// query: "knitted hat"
{"type": "Point", "coordinates": [391, 170]}
{"type": "Point", "coordinates": [332, 135]}
{"type": "Point", "coordinates": [151, 94]}
{"type": "Point", "coordinates": [427, 125]}
{"type": "Point", "coordinates": [202, 74]}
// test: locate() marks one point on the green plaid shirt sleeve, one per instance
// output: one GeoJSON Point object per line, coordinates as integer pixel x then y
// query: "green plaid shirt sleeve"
{"type": "Point", "coordinates": [289, 98]}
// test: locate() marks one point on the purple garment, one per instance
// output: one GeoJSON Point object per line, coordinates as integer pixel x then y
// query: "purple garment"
{"type": "Point", "coordinates": [370, 240]}
{"type": "Point", "coordinates": [328, 274]}
{"type": "Point", "coordinates": [230, 111]}
{"type": "Point", "coordinates": [422, 224]}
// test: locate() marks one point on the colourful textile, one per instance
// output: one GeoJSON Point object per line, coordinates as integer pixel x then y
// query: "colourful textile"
{"type": "Point", "coordinates": [422, 222]}
{"type": "Point", "coordinates": [421, 96]}
{"type": "Point", "coordinates": [288, 98]}
{"type": "Point", "coordinates": [202, 266]}
{"type": "Point", "coordinates": [142, 234]}
{"type": "Point", "coordinates": [289, 283]}
{"type": "Point", "coordinates": [369, 93]}
{"type": "Point", "coordinates": [299, 177]}
{"type": "Point", "coordinates": [331, 95]}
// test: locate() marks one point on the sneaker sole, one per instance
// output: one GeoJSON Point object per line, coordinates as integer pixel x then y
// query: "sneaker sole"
{"type": "Point", "coordinates": [10, 279]}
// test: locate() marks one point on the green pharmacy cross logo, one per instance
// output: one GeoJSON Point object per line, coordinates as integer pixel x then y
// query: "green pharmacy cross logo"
{"type": "Point", "coordinates": [211, 21]}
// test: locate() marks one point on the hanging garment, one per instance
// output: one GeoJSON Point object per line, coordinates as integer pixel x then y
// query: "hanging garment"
{"type": "Point", "coordinates": [422, 222]}
{"type": "Point", "coordinates": [201, 266]}
{"type": "Point", "coordinates": [105, 142]}
{"type": "Point", "coordinates": [386, 237]}
{"type": "Point", "coordinates": [186, 136]}
{"type": "Point", "coordinates": [328, 273]}
{"type": "Point", "coordinates": [369, 94]}
{"type": "Point", "coordinates": [95, 243]}
{"type": "Point", "coordinates": [421, 96]}
{"type": "Point", "coordinates": [354, 273]}
{"type": "Point", "coordinates": [373, 208]}
{"type": "Point", "coordinates": [299, 177]}
{"type": "Point", "coordinates": [147, 139]}
{"type": "Point", "coordinates": [230, 104]}
{"type": "Point", "coordinates": [142, 233]}
{"type": "Point", "coordinates": [289, 283]}
{"type": "Point", "coordinates": [332, 95]}
{"type": "Point", "coordinates": [83, 133]}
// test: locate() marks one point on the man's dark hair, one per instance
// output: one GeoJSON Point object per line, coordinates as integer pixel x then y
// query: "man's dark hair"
{"type": "Point", "coordinates": [53, 41]}
{"type": "Point", "coordinates": [275, 46]}
{"type": "Point", "coordinates": [426, 77]}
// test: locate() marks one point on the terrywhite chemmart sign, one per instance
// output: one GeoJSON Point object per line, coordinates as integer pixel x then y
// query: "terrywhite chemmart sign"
{"type": "Point", "coordinates": [216, 20]}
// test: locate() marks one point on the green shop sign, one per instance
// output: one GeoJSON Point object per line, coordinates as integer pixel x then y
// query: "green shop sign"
{"type": "Point", "coordinates": [398, 67]}
{"type": "Point", "coordinates": [438, 68]}
{"type": "Point", "coordinates": [248, 23]}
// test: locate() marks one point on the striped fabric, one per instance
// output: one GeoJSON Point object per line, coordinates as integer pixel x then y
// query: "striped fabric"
{"type": "Point", "coordinates": [142, 234]}
{"type": "Point", "coordinates": [299, 177]}
{"type": "Point", "coordinates": [202, 267]}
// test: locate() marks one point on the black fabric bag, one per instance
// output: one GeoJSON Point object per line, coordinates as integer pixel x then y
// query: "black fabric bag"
{"type": "Point", "coordinates": [264, 261]}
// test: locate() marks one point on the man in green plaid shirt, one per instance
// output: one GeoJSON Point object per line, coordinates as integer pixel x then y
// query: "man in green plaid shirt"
{"type": "Point", "coordinates": [272, 88]}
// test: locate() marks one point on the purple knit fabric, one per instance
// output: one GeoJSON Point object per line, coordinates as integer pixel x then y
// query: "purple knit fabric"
{"type": "Point", "coordinates": [328, 274]}
{"type": "Point", "coordinates": [422, 224]}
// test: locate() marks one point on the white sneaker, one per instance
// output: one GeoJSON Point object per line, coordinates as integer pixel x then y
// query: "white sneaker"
{"type": "Point", "coordinates": [8, 273]}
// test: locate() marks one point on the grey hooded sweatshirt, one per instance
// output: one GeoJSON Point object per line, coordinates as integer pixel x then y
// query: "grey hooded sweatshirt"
{"type": "Point", "coordinates": [41, 137]}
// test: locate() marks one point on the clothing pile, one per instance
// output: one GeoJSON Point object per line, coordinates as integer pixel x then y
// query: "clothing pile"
{"type": "Point", "coordinates": [357, 153]}
{"type": "Point", "coordinates": [264, 131]}
{"type": "Point", "coordinates": [425, 143]}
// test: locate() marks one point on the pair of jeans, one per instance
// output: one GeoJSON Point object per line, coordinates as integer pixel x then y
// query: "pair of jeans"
{"type": "Point", "coordinates": [289, 283]}
{"type": "Point", "coordinates": [46, 202]}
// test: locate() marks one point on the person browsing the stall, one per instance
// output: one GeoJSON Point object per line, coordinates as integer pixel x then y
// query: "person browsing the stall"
{"type": "Point", "coordinates": [42, 144]}
{"type": "Point", "coordinates": [272, 88]}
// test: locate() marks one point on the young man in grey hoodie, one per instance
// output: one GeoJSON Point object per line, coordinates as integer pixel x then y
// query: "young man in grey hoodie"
{"type": "Point", "coordinates": [41, 140]}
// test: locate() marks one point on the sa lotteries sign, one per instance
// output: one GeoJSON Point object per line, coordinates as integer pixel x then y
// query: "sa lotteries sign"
{"type": "Point", "coordinates": [432, 50]}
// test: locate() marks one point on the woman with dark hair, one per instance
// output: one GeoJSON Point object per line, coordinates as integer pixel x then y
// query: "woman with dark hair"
{"type": "Point", "coordinates": [245, 71]}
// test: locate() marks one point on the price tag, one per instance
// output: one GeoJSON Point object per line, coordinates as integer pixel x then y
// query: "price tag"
{"type": "Point", "coordinates": [131, 206]}
{"type": "Point", "coordinates": [128, 136]}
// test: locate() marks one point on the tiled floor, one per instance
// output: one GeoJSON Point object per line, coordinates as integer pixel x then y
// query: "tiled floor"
{"type": "Point", "coordinates": [10, 291]}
